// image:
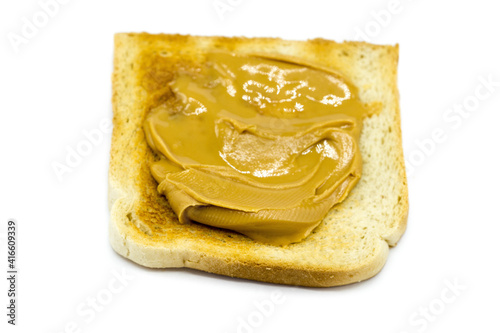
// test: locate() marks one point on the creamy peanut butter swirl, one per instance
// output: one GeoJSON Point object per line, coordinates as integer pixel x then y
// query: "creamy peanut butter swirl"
{"type": "Point", "coordinates": [261, 145]}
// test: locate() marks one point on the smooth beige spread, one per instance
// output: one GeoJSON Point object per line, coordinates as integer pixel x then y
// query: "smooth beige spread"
{"type": "Point", "coordinates": [262, 145]}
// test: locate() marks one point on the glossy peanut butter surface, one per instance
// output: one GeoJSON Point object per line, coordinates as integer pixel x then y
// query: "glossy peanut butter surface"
{"type": "Point", "coordinates": [261, 145]}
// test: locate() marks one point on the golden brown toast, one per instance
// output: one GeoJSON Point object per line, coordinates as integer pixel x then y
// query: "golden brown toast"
{"type": "Point", "coordinates": [351, 244]}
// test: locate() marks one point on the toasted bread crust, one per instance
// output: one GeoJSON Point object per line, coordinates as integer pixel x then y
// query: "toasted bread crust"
{"type": "Point", "coordinates": [350, 245]}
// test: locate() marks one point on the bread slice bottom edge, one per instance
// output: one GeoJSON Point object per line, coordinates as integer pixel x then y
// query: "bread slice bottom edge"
{"type": "Point", "coordinates": [171, 254]}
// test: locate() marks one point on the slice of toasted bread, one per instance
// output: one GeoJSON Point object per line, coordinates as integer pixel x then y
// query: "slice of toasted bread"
{"type": "Point", "coordinates": [351, 244]}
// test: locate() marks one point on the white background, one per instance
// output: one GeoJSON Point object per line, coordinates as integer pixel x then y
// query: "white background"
{"type": "Point", "coordinates": [58, 85]}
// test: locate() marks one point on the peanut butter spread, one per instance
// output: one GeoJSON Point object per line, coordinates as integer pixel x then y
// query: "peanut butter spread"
{"type": "Point", "coordinates": [262, 145]}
